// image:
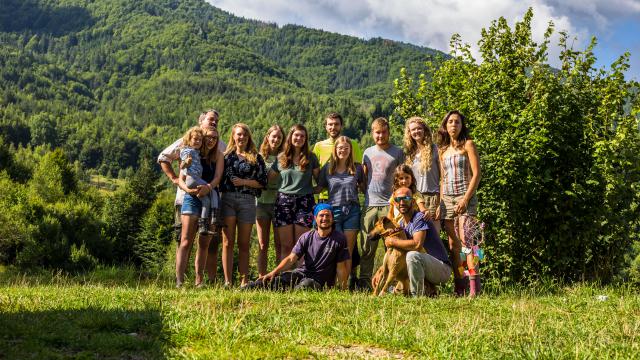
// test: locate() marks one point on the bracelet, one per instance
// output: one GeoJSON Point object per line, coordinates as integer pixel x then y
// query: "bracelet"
{"type": "Point", "coordinates": [209, 186]}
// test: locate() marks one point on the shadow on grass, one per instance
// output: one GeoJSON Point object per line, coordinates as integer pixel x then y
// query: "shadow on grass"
{"type": "Point", "coordinates": [108, 276]}
{"type": "Point", "coordinates": [83, 333]}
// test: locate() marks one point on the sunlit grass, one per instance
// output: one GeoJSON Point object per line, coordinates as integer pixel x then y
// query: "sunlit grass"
{"type": "Point", "coordinates": [112, 313]}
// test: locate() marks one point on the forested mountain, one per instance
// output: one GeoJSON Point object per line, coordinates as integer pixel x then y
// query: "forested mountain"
{"type": "Point", "coordinates": [109, 80]}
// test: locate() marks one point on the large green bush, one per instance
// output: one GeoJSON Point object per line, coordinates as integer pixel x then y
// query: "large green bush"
{"type": "Point", "coordinates": [559, 149]}
{"type": "Point", "coordinates": [54, 221]}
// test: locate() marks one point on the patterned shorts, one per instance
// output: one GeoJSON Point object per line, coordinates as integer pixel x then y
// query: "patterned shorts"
{"type": "Point", "coordinates": [294, 209]}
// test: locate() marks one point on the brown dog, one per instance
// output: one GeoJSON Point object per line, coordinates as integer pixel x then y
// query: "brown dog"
{"type": "Point", "coordinates": [394, 264]}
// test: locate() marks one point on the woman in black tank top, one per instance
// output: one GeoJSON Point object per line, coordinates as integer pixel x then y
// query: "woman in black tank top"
{"type": "Point", "coordinates": [206, 255]}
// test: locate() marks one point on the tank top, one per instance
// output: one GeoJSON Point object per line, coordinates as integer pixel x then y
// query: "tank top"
{"type": "Point", "coordinates": [457, 173]}
{"type": "Point", "coordinates": [208, 170]}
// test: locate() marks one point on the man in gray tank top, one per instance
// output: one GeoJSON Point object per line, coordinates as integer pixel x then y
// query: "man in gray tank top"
{"type": "Point", "coordinates": [379, 163]}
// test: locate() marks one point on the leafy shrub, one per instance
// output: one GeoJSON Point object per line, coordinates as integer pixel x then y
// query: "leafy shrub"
{"type": "Point", "coordinates": [124, 211]}
{"type": "Point", "coordinates": [559, 150]}
{"type": "Point", "coordinates": [155, 235]}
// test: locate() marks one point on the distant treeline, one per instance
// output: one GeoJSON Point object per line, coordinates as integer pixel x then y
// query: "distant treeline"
{"type": "Point", "coordinates": [109, 81]}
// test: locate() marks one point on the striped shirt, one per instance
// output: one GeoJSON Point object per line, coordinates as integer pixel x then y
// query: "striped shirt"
{"type": "Point", "coordinates": [457, 174]}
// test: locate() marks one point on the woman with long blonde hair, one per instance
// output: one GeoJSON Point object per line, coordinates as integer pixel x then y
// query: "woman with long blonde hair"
{"type": "Point", "coordinates": [297, 167]}
{"type": "Point", "coordinates": [421, 154]}
{"type": "Point", "coordinates": [244, 177]}
{"type": "Point", "coordinates": [265, 207]}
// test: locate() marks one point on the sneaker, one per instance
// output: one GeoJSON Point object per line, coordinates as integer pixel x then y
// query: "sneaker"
{"type": "Point", "coordinates": [460, 287]}
{"type": "Point", "coordinates": [352, 283]}
{"type": "Point", "coordinates": [363, 285]}
{"type": "Point", "coordinates": [203, 227]}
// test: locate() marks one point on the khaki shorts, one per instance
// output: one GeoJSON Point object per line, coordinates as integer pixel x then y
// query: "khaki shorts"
{"type": "Point", "coordinates": [431, 202]}
{"type": "Point", "coordinates": [265, 211]}
{"type": "Point", "coordinates": [449, 202]}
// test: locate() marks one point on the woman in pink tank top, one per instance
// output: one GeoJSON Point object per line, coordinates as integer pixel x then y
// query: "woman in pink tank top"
{"type": "Point", "coordinates": [460, 169]}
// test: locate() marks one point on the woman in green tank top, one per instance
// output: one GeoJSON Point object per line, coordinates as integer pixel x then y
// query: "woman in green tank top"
{"type": "Point", "coordinates": [270, 148]}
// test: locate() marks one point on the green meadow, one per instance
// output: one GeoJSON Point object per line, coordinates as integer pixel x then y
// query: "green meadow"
{"type": "Point", "coordinates": [115, 314]}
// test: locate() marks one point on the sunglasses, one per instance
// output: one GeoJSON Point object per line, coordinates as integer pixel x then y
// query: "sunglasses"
{"type": "Point", "coordinates": [406, 198]}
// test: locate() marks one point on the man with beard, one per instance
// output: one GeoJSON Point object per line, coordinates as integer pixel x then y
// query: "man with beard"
{"type": "Point", "coordinates": [207, 120]}
{"type": "Point", "coordinates": [425, 269]}
{"type": "Point", "coordinates": [324, 251]}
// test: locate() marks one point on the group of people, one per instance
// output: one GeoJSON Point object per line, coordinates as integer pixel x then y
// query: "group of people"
{"type": "Point", "coordinates": [229, 187]}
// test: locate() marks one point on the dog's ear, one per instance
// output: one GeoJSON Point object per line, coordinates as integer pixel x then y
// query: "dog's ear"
{"type": "Point", "coordinates": [374, 237]}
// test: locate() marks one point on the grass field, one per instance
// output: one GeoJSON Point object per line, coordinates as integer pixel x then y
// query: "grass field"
{"type": "Point", "coordinates": [112, 314]}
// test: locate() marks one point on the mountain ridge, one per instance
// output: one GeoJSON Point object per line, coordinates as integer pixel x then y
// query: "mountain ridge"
{"type": "Point", "coordinates": [120, 76]}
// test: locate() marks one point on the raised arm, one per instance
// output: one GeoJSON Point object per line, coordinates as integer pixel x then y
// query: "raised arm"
{"type": "Point", "coordinates": [167, 169]}
{"type": "Point", "coordinates": [170, 154]}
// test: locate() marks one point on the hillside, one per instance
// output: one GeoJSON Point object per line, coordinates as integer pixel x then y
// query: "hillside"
{"type": "Point", "coordinates": [110, 80]}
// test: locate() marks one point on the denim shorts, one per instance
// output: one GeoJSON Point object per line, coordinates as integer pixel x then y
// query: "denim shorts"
{"type": "Point", "coordinates": [346, 217]}
{"type": "Point", "coordinates": [239, 205]}
{"type": "Point", "coordinates": [191, 205]}
{"type": "Point", "coordinates": [294, 210]}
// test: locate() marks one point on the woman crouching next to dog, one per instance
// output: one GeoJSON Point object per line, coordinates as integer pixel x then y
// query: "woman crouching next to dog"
{"type": "Point", "coordinates": [425, 269]}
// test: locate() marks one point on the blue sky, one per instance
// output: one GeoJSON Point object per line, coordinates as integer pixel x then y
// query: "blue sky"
{"type": "Point", "coordinates": [616, 23]}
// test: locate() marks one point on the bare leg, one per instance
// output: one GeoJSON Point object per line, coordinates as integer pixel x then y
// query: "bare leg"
{"type": "Point", "coordinates": [212, 258]}
{"type": "Point", "coordinates": [455, 246]}
{"type": "Point", "coordinates": [286, 235]}
{"type": "Point", "coordinates": [262, 228]}
{"type": "Point", "coordinates": [244, 235]}
{"type": "Point", "coordinates": [189, 228]}
{"type": "Point", "coordinates": [351, 236]}
{"type": "Point", "coordinates": [298, 231]}
{"type": "Point", "coordinates": [228, 241]}
{"type": "Point", "coordinates": [201, 257]}
{"type": "Point", "coordinates": [277, 245]}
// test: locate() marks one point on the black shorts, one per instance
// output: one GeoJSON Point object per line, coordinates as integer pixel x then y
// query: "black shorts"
{"type": "Point", "coordinates": [294, 210]}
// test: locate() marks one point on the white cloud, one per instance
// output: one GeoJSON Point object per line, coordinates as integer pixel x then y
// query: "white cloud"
{"type": "Point", "coordinates": [432, 22]}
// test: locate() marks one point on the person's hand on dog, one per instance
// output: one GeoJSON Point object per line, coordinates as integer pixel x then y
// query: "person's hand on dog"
{"type": "Point", "coordinates": [375, 281]}
{"type": "Point", "coordinates": [389, 242]}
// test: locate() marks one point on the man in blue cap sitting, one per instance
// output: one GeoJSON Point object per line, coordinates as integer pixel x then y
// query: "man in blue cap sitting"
{"type": "Point", "coordinates": [324, 250]}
